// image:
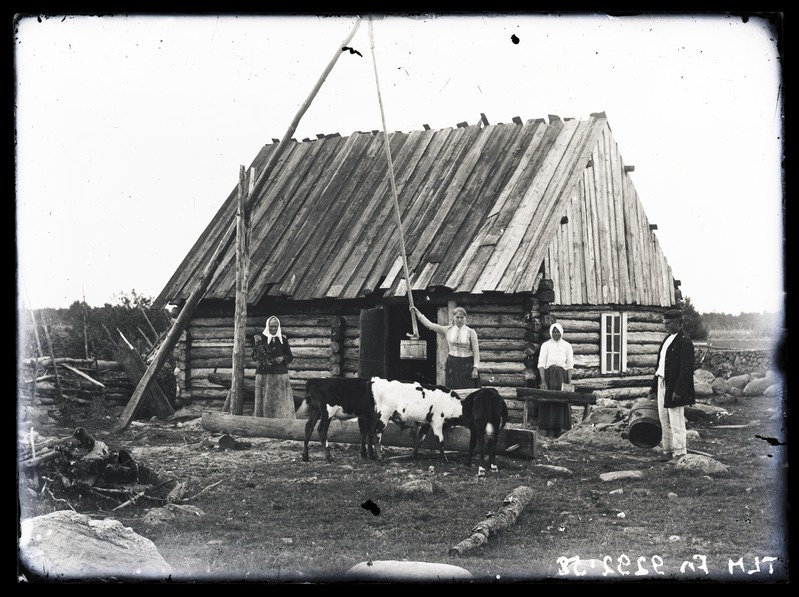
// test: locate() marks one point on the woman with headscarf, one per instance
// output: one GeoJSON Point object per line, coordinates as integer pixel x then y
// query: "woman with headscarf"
{"type": "Point", "coordinates": [555, 364]}
{"type": "Point", "coordinates": [272, 354]}
{"type": "Point", "coordinates": [463, 354]}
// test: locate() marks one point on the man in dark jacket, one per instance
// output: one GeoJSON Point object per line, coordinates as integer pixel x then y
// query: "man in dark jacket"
{"type": "Point", "coordinates": [673, 385]}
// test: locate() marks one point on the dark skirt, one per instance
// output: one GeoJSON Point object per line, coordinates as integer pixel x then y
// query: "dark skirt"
{"type": "Point", "coordinates": [554, 416]}
{"type": "Point", "coordinates": [459, 373]}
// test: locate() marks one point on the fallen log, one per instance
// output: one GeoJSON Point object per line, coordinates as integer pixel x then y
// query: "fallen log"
{"type": "Point", "coordinates": [519, 443]}
{"type": "Point", "coordinates": [516, 501]}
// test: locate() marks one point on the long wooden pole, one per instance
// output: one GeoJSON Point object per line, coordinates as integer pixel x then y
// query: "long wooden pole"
{"type": "Point", "coordinates": [209, 272]}
{"type": "Point", "coordinates": [149, 323]}
{"type": "Point", "coordinates": [235, 400]}
{"type": "Point", "coordinates": [393, 186]}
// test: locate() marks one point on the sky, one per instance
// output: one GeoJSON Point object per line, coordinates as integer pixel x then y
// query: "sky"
{"type": "Point", "coordinates": [130, 130]}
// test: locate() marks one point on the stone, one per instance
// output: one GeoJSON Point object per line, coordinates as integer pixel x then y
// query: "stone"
{"type": "Point", "coordinates": [702, 388]}
{"type": "Point", "coordinates": [756, 387]}
{"type": "Point", "coordinates": [702, 464]}
{"type": "Point", "coordinates": [616, 475]}
{"type": "Point", "coordinates": [417, 486]}
{"type": "Point", "coordinates": [66, 545]}
{"type": "Point", "coordinates": [775, 390]}
{"type": "Point", "coordinates": [720, 386]}
{"type": "Point", "coordinates": [739, 381]}
{"type": "Point", "coordinates": [703, 375]}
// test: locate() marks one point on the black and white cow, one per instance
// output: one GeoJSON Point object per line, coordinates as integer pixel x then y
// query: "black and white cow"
{"type": "Point", "coordinates": [411, 405]}
{"type": "Point", "coordinates": [341, 398]}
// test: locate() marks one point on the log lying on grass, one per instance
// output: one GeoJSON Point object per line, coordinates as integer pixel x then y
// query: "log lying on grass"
{"type": "Point", "coordinates": [513, 505]}
{"type": "Point", "coordinates": [519, 443]}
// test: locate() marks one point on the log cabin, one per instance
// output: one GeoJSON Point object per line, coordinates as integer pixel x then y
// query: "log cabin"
{"type": "Point", "coordinates": [522, 224]}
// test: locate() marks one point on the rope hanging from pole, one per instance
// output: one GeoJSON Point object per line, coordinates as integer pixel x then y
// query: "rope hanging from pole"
{"type": "Point", "coordinates": [393, 184]}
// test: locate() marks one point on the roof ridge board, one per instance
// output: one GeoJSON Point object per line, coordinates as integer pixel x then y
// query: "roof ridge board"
{"type": "Point", "coordinates": [322, 268]}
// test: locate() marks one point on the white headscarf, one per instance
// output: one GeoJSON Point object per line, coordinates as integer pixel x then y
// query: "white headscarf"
{"type": "Point", "coordinates": [279, 334]}
{"type": "Point", "coordinates": [556, 326]}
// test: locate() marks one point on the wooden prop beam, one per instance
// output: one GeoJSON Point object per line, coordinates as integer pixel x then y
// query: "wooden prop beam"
{"type": "Point", "coordinates": [519, 443]}
{"type": "Point", "coordinates": [134, 367]}
{"type": "Point", "coordinates": [210, 270]}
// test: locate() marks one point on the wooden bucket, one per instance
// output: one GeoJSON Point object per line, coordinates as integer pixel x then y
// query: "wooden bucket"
{"type": "Point", "coordinates": [413, 349]}
{"type": "Point", "coordinates": [644, 427]}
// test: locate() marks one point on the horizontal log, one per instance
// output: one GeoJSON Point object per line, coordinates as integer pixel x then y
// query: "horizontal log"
{"type": "Point", "coordinates": [500, 345]}
{"type": "Point", "coordinates": [645, 326]}
{"type": "Point", "coordinates": [258, 322]}
{"type": "Point", "coordinates": [510, 309]}
{"type": "Point", "coordinates": [586, 360]}
{"type": "Point", "coordinates": [592, 338]}
{"type": "Point", "coordinates": [87, 364]}
{"type": "Point", "coordinates": [645, 337]}
{"type": "Point", "coordinates": [642, 360]}
{"type": "Point", "coordinates": [510, 442]}
{"type": "Point", "coordinates": [577, 325]}
{"type": "Point", "coordinates": [602, 383]}
{"type": "Point", "coordinates": [481, 320]}
{"type": "Point", "coordinates": [622, 393]}
{"type": "Point", "coordinates": [503, 333]}
{"type": "Point", "coordinates": [555, 395]}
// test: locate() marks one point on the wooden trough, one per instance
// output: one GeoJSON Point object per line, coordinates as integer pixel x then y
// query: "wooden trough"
{"type": "Point", "coordinates": [519, 443]}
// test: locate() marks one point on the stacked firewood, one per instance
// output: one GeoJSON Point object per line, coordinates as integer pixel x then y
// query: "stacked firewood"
{"type": "Point", "coordinates": [74, 381]}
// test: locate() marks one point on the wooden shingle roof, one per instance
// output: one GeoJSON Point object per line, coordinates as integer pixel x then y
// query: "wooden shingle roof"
{"type": "Point", "coordinates": [481, 208]}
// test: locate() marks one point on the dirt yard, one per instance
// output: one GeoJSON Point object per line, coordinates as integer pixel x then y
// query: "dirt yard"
{"type": "Point", "coordinates": [265, 516]}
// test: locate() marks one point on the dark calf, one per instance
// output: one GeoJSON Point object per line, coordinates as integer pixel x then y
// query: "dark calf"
{"type": "Point", "coordinates": [341, 398]}
{"type": "Point", "coordinates": [485, 414]}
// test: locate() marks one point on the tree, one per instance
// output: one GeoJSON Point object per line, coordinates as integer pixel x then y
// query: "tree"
{"type": "Point", "coordinates": [694, 326]}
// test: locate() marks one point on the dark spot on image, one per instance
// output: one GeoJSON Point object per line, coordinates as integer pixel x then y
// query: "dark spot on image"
{"type": "Point", "coordinates": [372, 507]}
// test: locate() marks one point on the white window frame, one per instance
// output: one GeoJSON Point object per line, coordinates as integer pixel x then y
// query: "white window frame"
{"type": "Point", "coordinates": [619, 327]}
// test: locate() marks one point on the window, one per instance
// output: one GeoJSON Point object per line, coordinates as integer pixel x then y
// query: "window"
{"type": "Point", "coordinates": [614, 343]}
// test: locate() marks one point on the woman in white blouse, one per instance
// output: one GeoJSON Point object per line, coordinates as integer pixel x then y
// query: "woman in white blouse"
{"type": "Point", "coordinates": [463, 357]}
{"type": "Point", "coordinates": [555, 364]}
{"type": "Point", "coordinates": [555, 360]}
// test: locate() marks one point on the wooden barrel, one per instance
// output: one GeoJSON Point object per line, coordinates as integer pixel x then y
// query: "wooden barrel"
{"type": "Point", "coordinates": [643, 429]}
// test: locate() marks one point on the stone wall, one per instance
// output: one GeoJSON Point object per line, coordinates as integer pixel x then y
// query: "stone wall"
{"type": "Point", "coordinates": [728, 363]}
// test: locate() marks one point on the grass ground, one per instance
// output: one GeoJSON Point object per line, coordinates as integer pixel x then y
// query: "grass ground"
{"type": "Point", "coordinates": [273, 518]}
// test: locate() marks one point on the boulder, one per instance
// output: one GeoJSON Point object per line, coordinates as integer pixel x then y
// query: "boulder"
{"type": "Point", "coordinates": [66, 545]}
{"type": "Point", "coordinates": [756, 387]}
{"type": "Point", "coordinates": [775, 390]}
{"type": "Point", "coordinates": [702, 464]}
{"type": "Point", "coordinates": [416, 487]}
{"type": "Point", "coordinates": [703, 375]}
{"type": "Point", "coordinates": [702, 388]}
{"type": "Point", "coordinates": [739, 381]}
{"type": "Point", "coordinates": [720, 386]}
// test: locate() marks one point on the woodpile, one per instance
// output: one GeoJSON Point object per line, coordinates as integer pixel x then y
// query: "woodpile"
{"type": "Point", "coordinates": [63, 381]}
{"type": "Point", "coordinates": [82, 381]}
